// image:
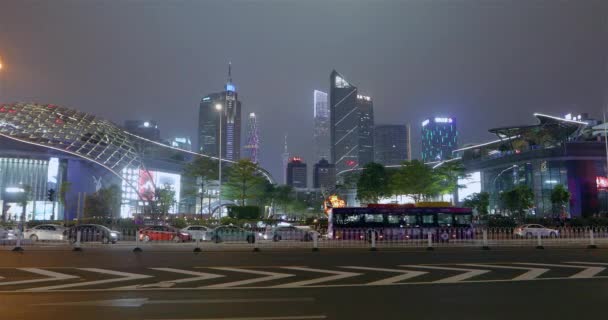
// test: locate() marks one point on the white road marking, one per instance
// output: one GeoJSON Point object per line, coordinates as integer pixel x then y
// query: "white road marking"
{"type": "Point", "coordinates": [269, 276]}
{"type": "Point", "coordinates": [532, 273]}
{"type": "Point", "coordinates": [199, 276]}
{"type": "Point", "coordinates": [468, 273]}
{"type": "Point", "coordinates": [337, 275]}
{"type": "Point", "coordinates": [258, 318]}
{"type": "Point", "coordinates": [593, 263]}
{"type": "Point", "coordinates": [406, 274]}
{"type": "Point", "coordinates": [138, 302]}
{"type": "Point", "coordinates": [52, 276]}
{"type": "Point", "coordinates": [125, 276]}
{"type": "Point", "coordinates": [587, 273]}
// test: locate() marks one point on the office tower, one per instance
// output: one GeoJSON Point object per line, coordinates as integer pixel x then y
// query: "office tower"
{"type": "Point", "coordinates": [252, 147]}
{"type": "Point", "coordinates": [225, 107]}
{"type": "Point", "coordinates": [321, 132]}
{"type": "Point", "coordinates": [392, 144]}
{"type": "Point", "coordinates": [296, 173]}
{"type": "Point", "coordinates": [366, 129]}
{"type": "Point", "coordinates": [439, 138]}
{"type": "Point", "coordinates": [285, 160]}
{"type": "Point", "coordinates": [143, 128]}
{"type": "Point", "coordinates": [324, 175]}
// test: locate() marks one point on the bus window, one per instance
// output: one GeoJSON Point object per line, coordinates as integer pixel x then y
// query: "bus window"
{"type": "Point", "coordinates": [347, 219]}
{"type": "Point", "coordinates": [463, 219]}
{"type": "Point", "coordinates": [428, 219]}
{"type": "Point", "coordinates": [393, 219]}
{"type": "Point", "coordinates": [444, 219]}
{"type": "Point", "coordinates": [409, 220]}
{"type": "Point", "coordinates": [373, 218]}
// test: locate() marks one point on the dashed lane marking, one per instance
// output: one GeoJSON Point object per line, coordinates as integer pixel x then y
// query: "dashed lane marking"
{"type": "Point", "coordinates": [405, 275]}
{"type": "Point", "coordinates": [269, 276]}
{"type": "Point", "coordinates": [52, 276]}
{"type": "Point", "coordinates": [468, 273]}
{"type": "Point", "coordinates": [199, 276]}
{"type": "Point", "coordinates": [588, 271]}
{"type": "Point", "coordinates": [337, 275]}
{"type": "Point", "coordinates": [124, 276]}
{"type": "Point", "coordinates": [532, 273]}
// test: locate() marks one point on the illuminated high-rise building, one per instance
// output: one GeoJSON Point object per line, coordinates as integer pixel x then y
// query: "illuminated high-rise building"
{"type": "Point", "coordinates": [252, 148]}
{"type": "Point", "coordinates": [392, 144]}
{"type": "Point", "coordinates": [322, 149]}
{"type": "Point", "coordinates": [439, 138]}
{"type": "Point", "coordinates": [230, 115]}
{"type": "Point", "coordinates": [351, 125]}
{"type": "Point", "coordinates": [297, 175]}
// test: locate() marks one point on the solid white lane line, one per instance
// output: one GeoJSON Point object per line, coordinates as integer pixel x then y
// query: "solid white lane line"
{"type": "Point", "coordinates": [406, 274]}
{"type": "Point", "coordinates": [468, 273]}
{"type": "Point", "coordinates": [258, 318]}
{"type": "Point", "coordinates": [593, 263]}
{"type": "Point", "coordinates": [268, 277]}
{"type": "Point", "coordinates": [199, 276]}
{"type": "Point", "coordinates": [532, 273]}
{"type": "Point", "coordinates": [124, 276]}
{"type": "Point", "coordinates": [52, 276]}
{"type": "Point", "coordinates": [337, 275]}
{"type": "Point", "coordinates": [587, 273]}
{"type": "Point", "coordinates": [138, 302]}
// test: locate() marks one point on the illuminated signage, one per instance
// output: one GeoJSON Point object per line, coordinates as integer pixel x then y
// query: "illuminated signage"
{"type": "Point", "coordinates": [602, 183]}
{"type": "Point", "coordinates": [230, 87]}
{"type": "Point", "coordinates": [443, 120]}
{"type": "Point", "coordinates": [206, 98]}
{"type": "Point", "coordinates": [425, 122]}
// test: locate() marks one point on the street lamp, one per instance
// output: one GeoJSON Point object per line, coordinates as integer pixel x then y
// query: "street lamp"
{"type": "Point", "coordinates": [218, 107]}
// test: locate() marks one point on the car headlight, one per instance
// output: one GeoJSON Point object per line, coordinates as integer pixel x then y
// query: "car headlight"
{"type": "Point", "coordinates": [265, 237]}
{"type": "Point", "coordinates": [113, 234]}
{"type": "Point", "coordinates": [184, 234]}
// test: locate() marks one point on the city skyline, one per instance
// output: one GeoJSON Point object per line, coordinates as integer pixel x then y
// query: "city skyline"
{"type": "Point", "coordinates": [416, 77]}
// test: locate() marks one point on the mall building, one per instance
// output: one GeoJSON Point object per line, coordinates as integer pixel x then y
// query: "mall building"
{"type": "Point", "coordinates": [556, 150]}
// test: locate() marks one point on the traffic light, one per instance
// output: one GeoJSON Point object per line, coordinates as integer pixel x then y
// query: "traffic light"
{"type": "Point", "coordinates": [51, 195]}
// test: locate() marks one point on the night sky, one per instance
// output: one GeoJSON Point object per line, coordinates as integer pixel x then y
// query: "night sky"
{"type": "Point", "coordinates": [487, 63]}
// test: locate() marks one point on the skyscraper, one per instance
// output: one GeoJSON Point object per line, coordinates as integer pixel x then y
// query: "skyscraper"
{"type": "Point", "coordinates": [392, 144]}
{"type": "Point", "coordinates": [230, 115]}
{"type": "Point", "coordinates": [321, 132]}
{"type": "Point", "coordinates": [324, 175]}
{"type": "Point", "coordinates": [439, 138]}
{"type": "Point", "coordinates": [252, 147]}
{"type": "Point", "coordinates": [143, 128]}
{"type": "Point", "coordinates": [285, 160]}
{"type": "Point", "coordinates": [351, 125]}
{"type": "Point", "coordinates": [297, 176]}
{"type": "Point", "coordinates": [366, 129]}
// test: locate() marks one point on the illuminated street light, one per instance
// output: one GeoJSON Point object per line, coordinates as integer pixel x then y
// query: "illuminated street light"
{"type": "Point", "coordinates": [218, 107]}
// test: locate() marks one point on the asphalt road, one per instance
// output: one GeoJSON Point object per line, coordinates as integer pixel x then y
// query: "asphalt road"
{"type": "Point", "coordinates": [331, 284]}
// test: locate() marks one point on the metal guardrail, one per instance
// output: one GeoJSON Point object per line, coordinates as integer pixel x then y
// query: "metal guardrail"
{"type": "Point", "coordinates": [591, 237]}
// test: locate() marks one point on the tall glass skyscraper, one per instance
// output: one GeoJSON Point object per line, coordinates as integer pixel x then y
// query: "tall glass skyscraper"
{"type": "Point", "coordinates": [321, 126]}
{"type": "Point", "coordinates": [208, 123]}
{"type": "Point", "coordinates": [392, 144]}
{"type": "Point", "coordinates": [253, 139]}
{"type": "Point", "coordinates": [352, 122]}
{"type": "Point", "coordinates": [439, 138]}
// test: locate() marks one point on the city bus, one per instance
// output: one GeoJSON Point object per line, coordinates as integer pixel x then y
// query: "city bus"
{"type": "Point", "coordinates": [400, 222]}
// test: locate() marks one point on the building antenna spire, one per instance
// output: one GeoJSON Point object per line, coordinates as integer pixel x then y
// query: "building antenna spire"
{"type": "Point", "coordinates": [229, 72]}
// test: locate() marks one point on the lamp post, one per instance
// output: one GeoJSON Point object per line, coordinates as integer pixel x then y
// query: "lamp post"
{"type": "Point", "coordinates": [218, 107]}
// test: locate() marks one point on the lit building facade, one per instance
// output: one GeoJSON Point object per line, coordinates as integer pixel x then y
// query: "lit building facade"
{"type": "Point", "coordinates": [439, 138]}
{"type": "Point", "coordinates": [181, 142]}
{"type": "Point", "coordinates": [324, 175]}
{"type": "Point", "coordinates": [297, 175]}
{"type": "Point", "coordinates": [391, 144]}
{"type": "Point", "coordinates": [366, 129]}
{"type": "Point", "coordinates": [322, 149]}
{"type": "Point", "coordinates": [252, 148]}
{"type": "Point", "coordinates": [229, 115]}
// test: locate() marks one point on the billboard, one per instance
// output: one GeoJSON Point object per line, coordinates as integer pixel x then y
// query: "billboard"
{"type": "Point", "coordinates": [146, 181]}
{"type": "Point", "coordinates": [471, 184]}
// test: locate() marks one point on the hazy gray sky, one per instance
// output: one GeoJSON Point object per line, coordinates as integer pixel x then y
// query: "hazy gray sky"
{"type": "Point", "coordinates": [487, 63]}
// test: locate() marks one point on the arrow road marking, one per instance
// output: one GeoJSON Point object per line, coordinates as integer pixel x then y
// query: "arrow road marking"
{"type": "Point", "coordinates": [532, 273]}
{"type": "Point", "coordinates": [337, 275]}
{"type": "Point", "coordinates": [125, 276]}
{"type": "Point", "coordinates": [469, 273]}
{"type": "Point", "coordinates": [587, 273]}
{"type": "Point", "coordinates": [268, 277]}
{"type": "Point", "coordinates": [199, 276]}
{"type": "Point", "coordinates": [52, 276]}
{"type": "Point", "coordinates": [406, 274]}
{"type": "Point", "coordinates": [138, 302]}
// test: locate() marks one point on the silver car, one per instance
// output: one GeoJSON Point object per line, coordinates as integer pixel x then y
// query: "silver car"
{"type": "Point", "coordinates": [288, 233]}
{"type": "Point", "coordinates": [534, 230]}
{"type": "Point", "coordinates": [45, 232]}
{"type": "Point", "coordinates": [198, 232]}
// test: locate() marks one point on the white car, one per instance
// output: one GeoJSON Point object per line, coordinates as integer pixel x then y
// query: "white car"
{"type": "Point", "coordinates": [534, 230]}
{"type": "Point", "coordinates": [197, 232]}
{"type": "Point", "coordinates": [45, 232]}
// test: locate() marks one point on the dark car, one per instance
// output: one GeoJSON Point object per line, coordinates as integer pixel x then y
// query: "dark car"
{"type": "Point", "coordinates": [163, 233]}
{"type": "Point", "coordinates": [93, 233]}
{"type": "Point", "coordinates": [231, 233]}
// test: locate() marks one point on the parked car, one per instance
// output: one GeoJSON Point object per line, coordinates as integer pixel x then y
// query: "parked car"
{"type": "Point", "coordinates": [163, 233]}
{"type": "Point", "coordinates": [197, 232]}
{"type": "Point", "coordinates": [93, 233]}
{"type": "Point", "coordinates": [7, 233]}
{"type": "Point", "coordinates": [231, 233]}
{"type": "Point", "coordinates": [533, 230]}
{"type": "Point", "coordinates": [288, 233]}
{"type": "Point", "coordinates": [45, 232]}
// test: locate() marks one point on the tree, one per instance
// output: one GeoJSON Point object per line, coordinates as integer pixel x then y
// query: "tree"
{"type": "Point", "coordinates": [373, 183]}
{"type": "Point", "coordinates": [517, 200]}
{"type": "Point", "coordinates": [164, 199]}
{"type": "Point", "coordinates": [445, 178]}
{"type": "Point", "coordinates": [478, 201]}
{"type": "Point", "coordinates": [415, 179]}
{"type": "Point", "coordinates": [560, 197]}
{"type": "Point", "coordinates": [204, 170]}
{"type": "Point", "coordinates": [244, 182]}
{"type": "Point", "coordinates": [283, 196]}
{"type": "Point", "coordinates": [64, 189]}
{"type": "Point", "coordinates": [103, 203]}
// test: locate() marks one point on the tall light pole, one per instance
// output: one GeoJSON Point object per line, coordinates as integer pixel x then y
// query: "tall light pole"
{"type": "Point", "coordinates": [218, 107]}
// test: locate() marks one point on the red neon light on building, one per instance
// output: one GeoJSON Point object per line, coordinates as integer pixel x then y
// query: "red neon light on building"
{"type": "Point", "coordinates": [351, 163]}
{"type": "Point", "coordinates": [601, 182]}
